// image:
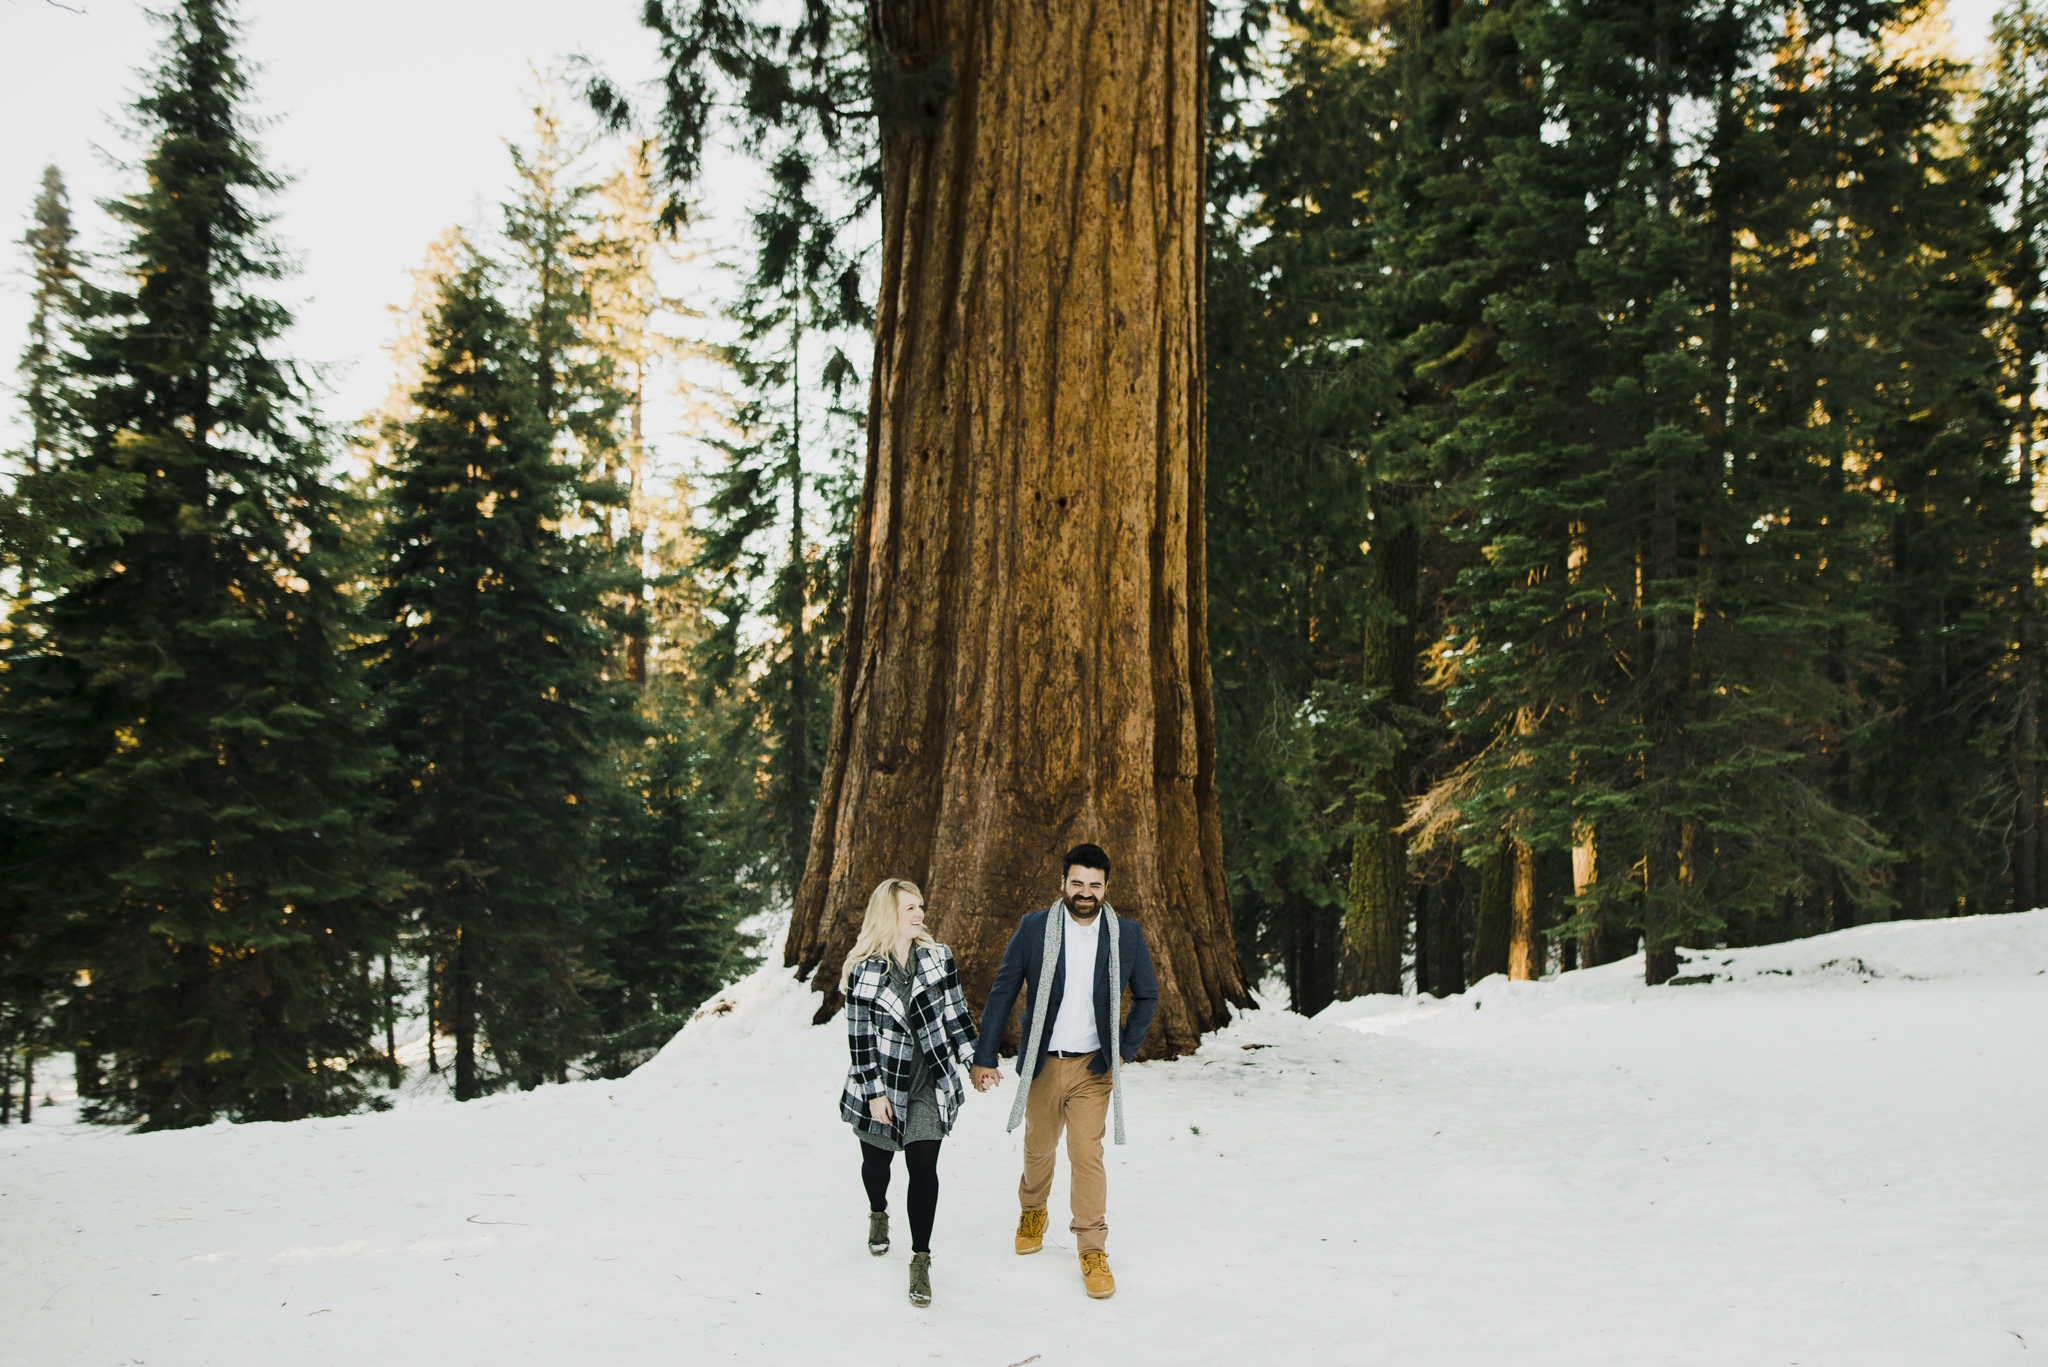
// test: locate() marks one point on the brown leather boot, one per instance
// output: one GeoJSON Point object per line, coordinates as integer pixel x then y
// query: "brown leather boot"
{"type": "Point", "coordinates": [1030, 1231]}
{"type": "Point", "coordinates": [1095, 1274]}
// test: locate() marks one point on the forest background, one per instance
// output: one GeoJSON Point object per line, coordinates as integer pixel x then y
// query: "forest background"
{"type": "Point", "coordinates": [1622, 520]}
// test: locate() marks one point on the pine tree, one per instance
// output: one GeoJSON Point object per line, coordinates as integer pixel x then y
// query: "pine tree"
{"type": "Point", "coordinates": [777, 514]}
{"type": "Point", "coordinates": [1310, 736]}
{"type": "Point", "coordinates": [762, 558]}
{"type": "Point", "coordinates": [493, 697]}
{"type": "Point", "coordinates": [628, 305]}
{"type": "Point", "coordinates": [1734, 459]}
{"type": "Point", "coordinates": [671, 862]}
{"type": "Point", "coordinates": [179, 715]}
{"type": "Point", "coordinates": [1934, 454]}
{"type": "Point", "coordinates": [33, 523]}
{"type": "Point", "coordinates": [1578, 426]}
{"type": "Point", "coordinates": [555, 260]}
{"type": "Point", "coordinates": [48, 394]}
{"type": "Point", "coordinates": [56, 503]}
{"type": "Point", "coordinates": [669, 852]}
{"type": "Point", "coordinates": [773, 548]}
{"type": "Point", "coordinates": [2009, 137]}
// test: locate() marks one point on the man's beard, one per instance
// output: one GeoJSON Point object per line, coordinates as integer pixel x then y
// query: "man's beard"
{"type": "Point", "coordinates": [1084, 906]}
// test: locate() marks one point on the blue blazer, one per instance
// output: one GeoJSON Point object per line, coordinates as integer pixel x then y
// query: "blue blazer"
{"type": "Point", "coordinates": [1024, 960]}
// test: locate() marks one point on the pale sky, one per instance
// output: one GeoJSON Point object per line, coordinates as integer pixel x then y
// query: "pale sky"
{"type": "Point", "coordinates": [1970, 22]}
{"type": "Point", "coordinates": [392, 118]}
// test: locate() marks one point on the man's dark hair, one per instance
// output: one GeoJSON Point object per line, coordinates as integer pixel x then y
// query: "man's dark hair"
{"type": "Point", "coordinates": [1088, 857]}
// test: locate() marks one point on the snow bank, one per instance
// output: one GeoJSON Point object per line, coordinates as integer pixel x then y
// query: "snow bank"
{"type": "Point", "coordinates": [764, 1012]}
{"type": "Point", "coordinates": [1964, 947]}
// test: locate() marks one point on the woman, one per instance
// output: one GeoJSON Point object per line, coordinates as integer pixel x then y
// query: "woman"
{"type": "Point", "coordinates": [907, 1026]}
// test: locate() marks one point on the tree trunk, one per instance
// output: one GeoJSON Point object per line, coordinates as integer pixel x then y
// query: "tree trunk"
{"type": "Point", "coordinates": [796, 741]}
{"type": "Point", "coordinates": [465, 1017]}
{"type": "Point", "coordinates": [1378, 901]}
{"type": "Point", "coordinates": [1525, 938]}
{"type": "Point", "coordinates": [1490, 927]}
{"type": "Point", "coordinates": [1026, 649]}
{"type": "Point", "coordinates": [1835, 666]}
{"type": "Point", "coordinates": [2026, 843]}
{"type": "Point", "coordinates": [2026, 834]}
{"type": "Point", "coordinates": [1590, 948]}
{"type": "Point", "coordinates": [636, 514]}
{"type": "Point", "coordinates": [1424, 914]}
{"type": "Point", "coordinates": [1447, 932]}
{"type": "Point", "coordinates": [1308, 955]}
{"type": "Point", "coordinates": [1538, 880]}
{"type": "Point", "coordinates": [391, 1024]}
{"type": "Point", "coordinates": [1525, 931]}
{"type": "Point", "coordinates": [1377, 904]}
{"type": "Point", "coordinates": [435, 979]}
{"type": "Point", "coordinates": [1585, 872]}
{"type": "Point", "coordinates": [1661, 865]}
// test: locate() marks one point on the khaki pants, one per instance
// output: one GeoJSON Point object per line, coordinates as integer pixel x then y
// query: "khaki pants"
{"type": "Point", "coordinates": [1067, 1096]}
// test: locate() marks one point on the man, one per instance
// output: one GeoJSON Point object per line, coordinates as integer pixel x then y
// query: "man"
{"type": "Point", "coordinates": [1071, 1077]}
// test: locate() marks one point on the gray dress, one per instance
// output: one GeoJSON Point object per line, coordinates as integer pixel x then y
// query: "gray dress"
{"type": "Point", "coordinates": [922, 1122]}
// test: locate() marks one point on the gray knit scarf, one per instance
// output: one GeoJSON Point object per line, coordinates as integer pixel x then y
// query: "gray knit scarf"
{"type": "Point", "coordinates": [1055, 927]}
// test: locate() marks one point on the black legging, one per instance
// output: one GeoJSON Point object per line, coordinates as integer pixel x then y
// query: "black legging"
{"type": "Point", "coordinates": [922, 1158]}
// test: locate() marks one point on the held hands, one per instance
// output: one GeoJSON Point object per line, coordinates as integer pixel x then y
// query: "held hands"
{"type": "Point", "coordinates": [881, 1110]}
{"type": "Point", "coordinates": [984, 1078]}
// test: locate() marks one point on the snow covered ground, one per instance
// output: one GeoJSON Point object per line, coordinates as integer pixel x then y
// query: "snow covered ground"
{"type": "Point", "coordinates": [1832, 1153]}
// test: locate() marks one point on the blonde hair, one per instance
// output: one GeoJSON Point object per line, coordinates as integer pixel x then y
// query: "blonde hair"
{"type": "Point", "coordinates": [878, 927]}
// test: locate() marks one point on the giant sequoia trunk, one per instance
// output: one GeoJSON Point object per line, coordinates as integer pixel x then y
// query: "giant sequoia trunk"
{"type": "Point", "coordinates": [1026, 653]}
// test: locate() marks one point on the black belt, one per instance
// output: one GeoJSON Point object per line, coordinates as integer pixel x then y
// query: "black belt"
{"type": "Point", "coordinates": [1062, 1053]}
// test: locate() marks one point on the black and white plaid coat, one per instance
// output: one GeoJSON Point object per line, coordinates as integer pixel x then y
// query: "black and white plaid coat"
{"type": "Point", "coordinates": [883, 1030]}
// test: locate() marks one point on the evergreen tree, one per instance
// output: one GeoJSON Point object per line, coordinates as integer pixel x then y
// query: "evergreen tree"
{"type": "Point", "coordinates": [773, 555]}
{"type": "Point", "coordinates": [178, 717]}
{"type": "Point", "coordinates": [32, 527]}
{"type": "Point", "coordinates": [1625, 523]}
{"type": "Point", "coordinates": [53, 256]}
{"type": "Point", "coordinates": [1330, 496]}
{"type": "Point", "coordinates": [628, 307]}
{"type": "Point", "coordinates": [778, 516]}
{"type": "Point", "coordinates": [668, 853]}
{"type": "Point", "coordinates": [560, 262]}
{"type": "Point", "coordinates": [2009, 139]}
{"type": "Point", "coordinates": [494, 700]}
{"type": "Point", "coordinates": [556, 259]}
{"type": "Point", "coordinates": [763, 559]}
{"type": "Point", "coordinates": [55, 503]}
{"type": "Point", "coordinates": [669, 861]}
{"type": "Point", "coordinates": [1932, 449]}
{"type": "Point", "coordinates": [1295, 387]}
{"type": "Point", "coordinates": [1614, 314]}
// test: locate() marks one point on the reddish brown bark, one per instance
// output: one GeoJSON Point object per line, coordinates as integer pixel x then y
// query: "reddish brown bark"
{"type": "Point", "coordinates": [1525, 940]}
{"type": "Point", "coordinates": [1026, 654]}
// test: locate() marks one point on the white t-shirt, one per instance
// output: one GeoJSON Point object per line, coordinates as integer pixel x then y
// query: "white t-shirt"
{"type": "Point", "coordinates": [1073, 1024]}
